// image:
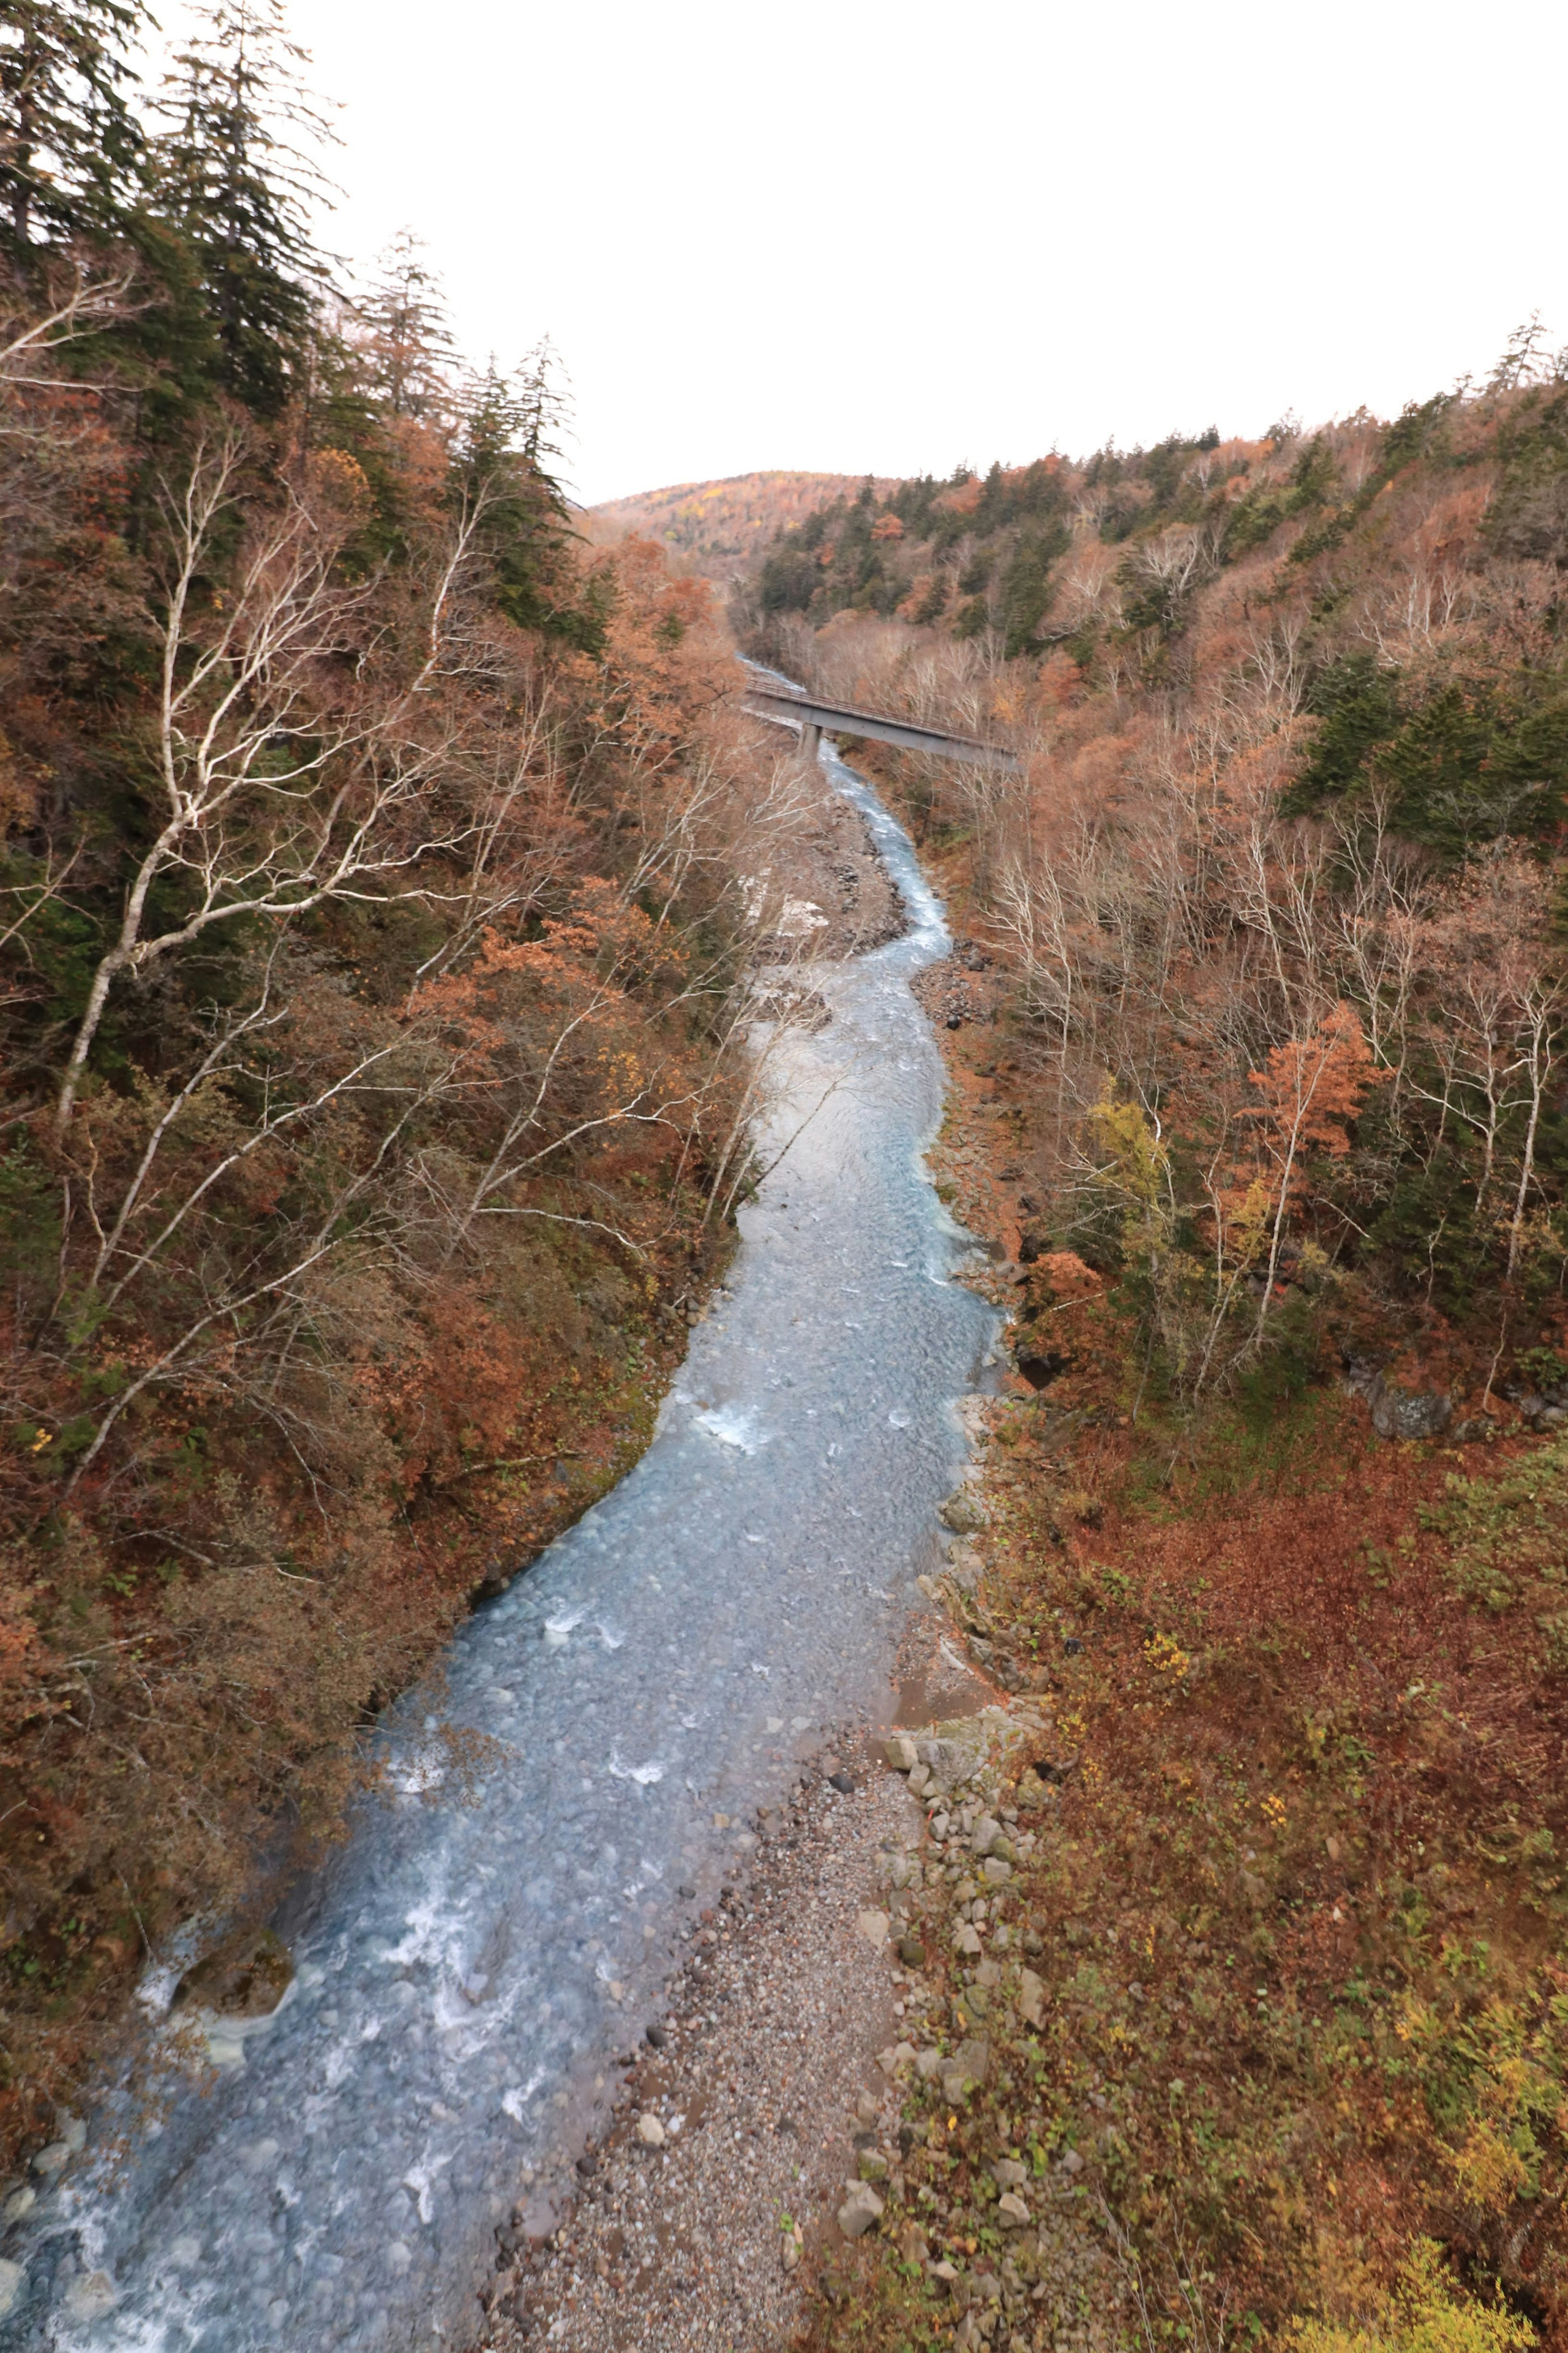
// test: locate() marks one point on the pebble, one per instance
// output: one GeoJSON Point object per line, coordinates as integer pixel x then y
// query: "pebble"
{"type": "Point", "coordinates": [650, 2132]}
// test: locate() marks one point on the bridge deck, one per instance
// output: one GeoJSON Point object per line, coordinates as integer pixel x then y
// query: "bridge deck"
{"type": "Point", "coordinates": [842, 719]}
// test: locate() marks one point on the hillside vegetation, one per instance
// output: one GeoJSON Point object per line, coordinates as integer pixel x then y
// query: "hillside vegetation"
{"type": "Point", "coordinates": [717, 529]}
{"type": "Point", "coordinates": [1258, 1081]}
{"type": "Point", "coordinates": [375, 1092]}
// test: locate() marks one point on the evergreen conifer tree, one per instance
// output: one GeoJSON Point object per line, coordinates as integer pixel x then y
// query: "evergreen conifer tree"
{"type": "Point", "coordinates": [506, 451]}
{"type": "Point", "coordinates": [69, 143]}
{"type": "Point", "coordinates": [230, 175]}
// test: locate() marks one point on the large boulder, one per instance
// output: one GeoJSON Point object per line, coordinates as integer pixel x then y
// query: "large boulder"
{"type": "Point", "coordinates": [1404, 1413]}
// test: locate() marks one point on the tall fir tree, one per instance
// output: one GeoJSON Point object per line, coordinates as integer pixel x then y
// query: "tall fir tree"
{"type": "Point", "coordinates": [232, 173]}
{"type": "Point", "coordinates": [405, 345]}
{"type": "Point", "coordinates": [69, 143]}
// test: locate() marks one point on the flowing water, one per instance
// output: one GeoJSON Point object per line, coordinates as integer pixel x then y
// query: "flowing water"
{"type": "Point", "coordinates": [471, 1959]}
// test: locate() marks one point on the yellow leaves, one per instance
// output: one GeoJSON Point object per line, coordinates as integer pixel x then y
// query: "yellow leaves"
{"type": "Point", "coordinates": [1423, 2314]}
{"type": "Point", "coordinates": [1274, 1811]}
{"type": "Point", "coordinates": [1134, 1165]}
{"type": "Point", "coordinates": [1489, 2172]}
{"type": "Point", "coordinates": [1166, 1656]}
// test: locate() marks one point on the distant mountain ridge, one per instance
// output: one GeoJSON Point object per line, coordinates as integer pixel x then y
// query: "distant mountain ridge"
{"type": "Point", "coordinates": [721, 527]}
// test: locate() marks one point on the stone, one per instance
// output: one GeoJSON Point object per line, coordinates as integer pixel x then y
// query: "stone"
{"type": "Point", "coordinates": [911, 1952]}
{"type": "Point", "coordinates": [966, 1939]}
{"type": "Point", "coordinates": [859, 2211]}
{"type": "Point", "coordinates": [927, 2064]}
{"type": "Point", "coordinates": [657, 2036]}
{"type": "Point", "coordinates": [650, 2132]}
{"type": "Point", "coordinates": [1403, 1413]}
{"type": "Point", "coordinates": [873, 1927]}
{"type": "Point", "coordinates": [994, 1872]}
{"type": "Point", "coordinates": [73, 2132]}
{"type": "Point", "coordinates": [964, 1565]}
{"type": "Point", "coordinates": [1031, 1997]}
{"type": "Point", "coordinates": [1071, 2162]}
{"type": "Point", "coordinates": [898, 2054]}
{"type": "Point", "coordinates": [245, 1977]}
{"type": "Point", "coordinates": [985, 1834]}
{"type": "Point", "coordinates": [945, 2271]}
{"type": "Point", "coordinates": [901, 1753]}
{"type": "Point", "coordinates": [960, 1512]}
{"type": "Point", "coordinates": [913, 2246]}
{"type": "Point", "coordinates": [11, 2278]}
{"type": "Point", "coordinates": [1008, 2174]}
{"type": "Point", "coordinates": [53, 2159]}
{"type": "Point", "coordinates": [1011, 2211]}
{"type": "Point", "coordinates": [868, 2108]}
{"type": "Point", "coordinates": [872, 2166]}
{"type": "Point", "coordinates": [969, 2065]}
{"type": "Point", "coordinates": [88, 2297]}
{"type": "Point", "coordinates": [21, 2201]}
{"type": "Point", "coordinates": [989, 1974]}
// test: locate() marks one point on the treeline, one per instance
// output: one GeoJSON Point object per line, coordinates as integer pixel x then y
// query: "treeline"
{"type": "Point", "coordinates": [374, 1091]}
{"type": "Point", "coordinates": [1278, 893]}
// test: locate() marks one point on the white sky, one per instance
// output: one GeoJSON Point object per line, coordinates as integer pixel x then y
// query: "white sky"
{"type": "Point", "coordinates": [862, 236]}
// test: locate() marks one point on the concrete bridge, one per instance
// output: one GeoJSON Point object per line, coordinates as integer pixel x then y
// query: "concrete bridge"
{"type": "Point", "coordinates": [793, 709]}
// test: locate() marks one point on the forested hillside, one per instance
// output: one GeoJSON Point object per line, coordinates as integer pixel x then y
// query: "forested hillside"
{"type": "Point", "coordinates": [1294, 714]}
{"type": "Point", "coordinates": [717, 528]}
{"type": "Point", "coordinates": [1257, 1041]}
{"type": "Point", "coordinates": [374, 1092]}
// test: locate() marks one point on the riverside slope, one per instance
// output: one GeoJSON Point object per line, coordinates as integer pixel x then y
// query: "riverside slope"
{"type": "Point", "coordinates": [470, 1960]}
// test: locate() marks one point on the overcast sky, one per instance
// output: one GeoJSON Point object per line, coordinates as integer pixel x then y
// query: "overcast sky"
{"type": "Point", "coordinates": [855, 236]}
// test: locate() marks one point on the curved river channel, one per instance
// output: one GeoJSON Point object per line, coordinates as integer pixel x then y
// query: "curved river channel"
{"type": "Point", "coordinates": [467, 1965]}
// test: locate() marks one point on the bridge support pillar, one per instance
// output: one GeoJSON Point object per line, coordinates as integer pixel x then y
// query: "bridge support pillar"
{"type": "Point", "coordinates": [810, 739]}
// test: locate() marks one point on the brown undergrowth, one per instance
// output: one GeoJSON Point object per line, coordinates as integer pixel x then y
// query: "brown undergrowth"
{"type": "Point", "coordinates": [1297, 1900]}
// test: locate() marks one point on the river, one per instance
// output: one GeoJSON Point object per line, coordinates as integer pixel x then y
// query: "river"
{"type": "Point", "coordinates": [471, 1962]}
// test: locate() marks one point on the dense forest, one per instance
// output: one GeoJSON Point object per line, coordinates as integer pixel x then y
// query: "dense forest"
{"type": "Point", "coordinates": [1282, 875]}
{"type": "Point", "coordinates": [375, 1095]}
{"type": "Point", "coordinates": [1258, 1040]}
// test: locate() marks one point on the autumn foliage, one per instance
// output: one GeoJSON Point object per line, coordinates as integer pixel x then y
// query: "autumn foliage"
{"type": "Point", "coordinates": [376, 1072]}
{"type": "Point", "coordinates": [1271, 923]}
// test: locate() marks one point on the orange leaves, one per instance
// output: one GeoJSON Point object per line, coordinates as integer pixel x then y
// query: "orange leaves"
{"type": "Point", "coordinates": [1315, 1086]}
